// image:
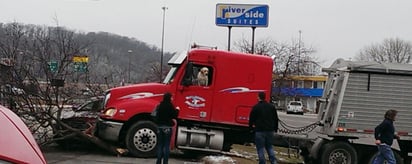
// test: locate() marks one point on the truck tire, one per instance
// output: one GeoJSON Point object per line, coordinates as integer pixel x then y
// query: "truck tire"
{"type": "Point", "coordinates": [338, 153]}
{"type": "Point", "coordinates": [141, 139]}
{"type": "Point", "coordinates": [398, 158]}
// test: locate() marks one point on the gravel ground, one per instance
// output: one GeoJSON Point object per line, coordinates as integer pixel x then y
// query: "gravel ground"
{"type": "Point", "coordinates": [241, 154]}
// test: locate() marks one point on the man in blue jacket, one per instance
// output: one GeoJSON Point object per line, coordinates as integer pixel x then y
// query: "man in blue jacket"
{"type": "Point", "coordinates": [263, 120]}
{"type": "Point", "coordinates": [384, 135]}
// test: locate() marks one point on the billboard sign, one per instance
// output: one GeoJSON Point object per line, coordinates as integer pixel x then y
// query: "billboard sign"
{"type": "Point", "coordinates": [242, 15]}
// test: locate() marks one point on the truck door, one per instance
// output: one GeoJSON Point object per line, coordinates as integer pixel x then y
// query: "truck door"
{"type": "Point", "coordinates": [194, 93]}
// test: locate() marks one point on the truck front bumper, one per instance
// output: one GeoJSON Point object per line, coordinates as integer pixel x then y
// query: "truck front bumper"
{"type": "Point", "coordinates": [108, 130]}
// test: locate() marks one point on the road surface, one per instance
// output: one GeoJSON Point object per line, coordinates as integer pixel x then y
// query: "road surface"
{"type": "Point", "coordinates": [90, 155]}
{"type": "Point", "coordinates": [297, 120]}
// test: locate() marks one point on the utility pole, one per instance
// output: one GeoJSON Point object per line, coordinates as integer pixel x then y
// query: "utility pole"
{"type": "Point", "coordinates": [164, 8]}
{"type": "Point", "coordinates": [128, 66]}
{"type": "Point", "coordinates": [300, 38]}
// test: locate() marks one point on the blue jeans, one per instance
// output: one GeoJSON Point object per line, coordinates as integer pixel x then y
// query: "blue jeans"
{"type": "Point", "coordinates": [385, 153]}
{"type": "Point", "coordinates": [264, 140]}
{"type": "Point", "coordinates": [164, 135]}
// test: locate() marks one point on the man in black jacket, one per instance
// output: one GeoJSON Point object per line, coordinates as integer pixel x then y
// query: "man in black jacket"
{"type": "Point", "coordinates": [263, 120]}
{"type": "Point", "coordinates": [384, 135]}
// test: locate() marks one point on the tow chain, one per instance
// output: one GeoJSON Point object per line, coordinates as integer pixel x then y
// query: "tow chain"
{"type": "Point", "coordinates": [288, 129]}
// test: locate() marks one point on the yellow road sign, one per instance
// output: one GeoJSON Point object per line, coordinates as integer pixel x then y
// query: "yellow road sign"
{"type": "Point", "coordinates": [81, 59]}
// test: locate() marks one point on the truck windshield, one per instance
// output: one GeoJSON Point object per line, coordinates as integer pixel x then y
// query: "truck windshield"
{"type": "Point", "coordinates": [170, 76]}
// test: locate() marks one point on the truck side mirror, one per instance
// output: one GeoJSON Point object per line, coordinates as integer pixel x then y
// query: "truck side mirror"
{"type": "Point", "coordinates": [187, 79]}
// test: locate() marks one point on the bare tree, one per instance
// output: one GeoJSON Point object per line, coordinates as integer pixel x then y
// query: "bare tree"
{"type": "Point", "coordinates": [262, 47]}
{"type": "Point", "coordinates": [392, 50]}
{"type": "Point", "coordinates": [28, 51]}
{"type": "Point", "coordinates": [152, 73]}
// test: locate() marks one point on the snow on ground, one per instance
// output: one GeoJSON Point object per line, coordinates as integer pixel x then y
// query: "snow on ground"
{"type": "Point", "coordinates": [247, 154]}
{"type": "Point", "coordinates": [218, 160]}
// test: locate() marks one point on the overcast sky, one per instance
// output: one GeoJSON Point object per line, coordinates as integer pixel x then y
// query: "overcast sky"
{"type": "Point", "coordinates": [335, 28]}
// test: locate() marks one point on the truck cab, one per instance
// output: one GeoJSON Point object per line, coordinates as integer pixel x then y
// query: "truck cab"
{"type": "Point", "coordinates": [215, 91]}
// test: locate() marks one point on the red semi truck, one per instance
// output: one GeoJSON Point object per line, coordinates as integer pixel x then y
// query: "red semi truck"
{"type": "Point", "coordinates": [213, 115]}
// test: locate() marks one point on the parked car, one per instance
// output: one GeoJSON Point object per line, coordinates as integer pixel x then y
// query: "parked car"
{"type": "Point", "coordinates": [17, 142]}
{"type": "Point", "coordinates": [81, 117]}
{"type": "Point", "coordinates": [295, 107]}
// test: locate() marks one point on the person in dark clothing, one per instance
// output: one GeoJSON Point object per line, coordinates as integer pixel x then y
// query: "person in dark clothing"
{"type": "Point", "coordinates": [166, 112]}
{"type": "Point", "coordinates": [384, 135]}
{"type": "Point", "coordinates": [263, 120]}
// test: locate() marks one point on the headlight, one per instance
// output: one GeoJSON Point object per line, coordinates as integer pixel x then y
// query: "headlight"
{"type": "Point", "coordinates": [110, 112]}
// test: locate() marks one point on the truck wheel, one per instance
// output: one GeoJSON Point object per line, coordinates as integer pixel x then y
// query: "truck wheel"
{"type": "Point", "coordinates": [398, 158]}
{"type": "Point", "coordinates": [338, 153]}
{"type": "Point", "coordinates": [141, 139]}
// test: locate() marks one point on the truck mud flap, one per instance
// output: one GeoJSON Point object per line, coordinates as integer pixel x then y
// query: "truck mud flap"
{"type": "Point", "coordinates": [314, 150]}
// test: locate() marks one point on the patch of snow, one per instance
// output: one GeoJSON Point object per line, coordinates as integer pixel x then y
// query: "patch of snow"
{"type": "Point", "coordinates": [243, 154]}
{"type": "Point", "coordinates": [219, 159]}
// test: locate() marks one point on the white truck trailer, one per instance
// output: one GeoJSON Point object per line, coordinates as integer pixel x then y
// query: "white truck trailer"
{"type": "Point", "coordinates": [355, 99]}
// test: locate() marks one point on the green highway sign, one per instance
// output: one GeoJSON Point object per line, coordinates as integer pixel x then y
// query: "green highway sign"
{"type": "Point", "coordinates": [53, 66]}
{"type": "Point", "coordinates": [80, 66]}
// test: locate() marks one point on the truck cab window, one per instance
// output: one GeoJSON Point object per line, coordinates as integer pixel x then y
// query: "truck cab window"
{"type": "Point", "coordinates": [201, 75]}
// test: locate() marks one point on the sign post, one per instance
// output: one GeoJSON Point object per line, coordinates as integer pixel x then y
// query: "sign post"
{"type": "Point", "coordinates": [242, 15]}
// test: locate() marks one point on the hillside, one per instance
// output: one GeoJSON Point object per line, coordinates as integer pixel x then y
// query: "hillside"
{"type": "Point", "coordinates": [111, 57]}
